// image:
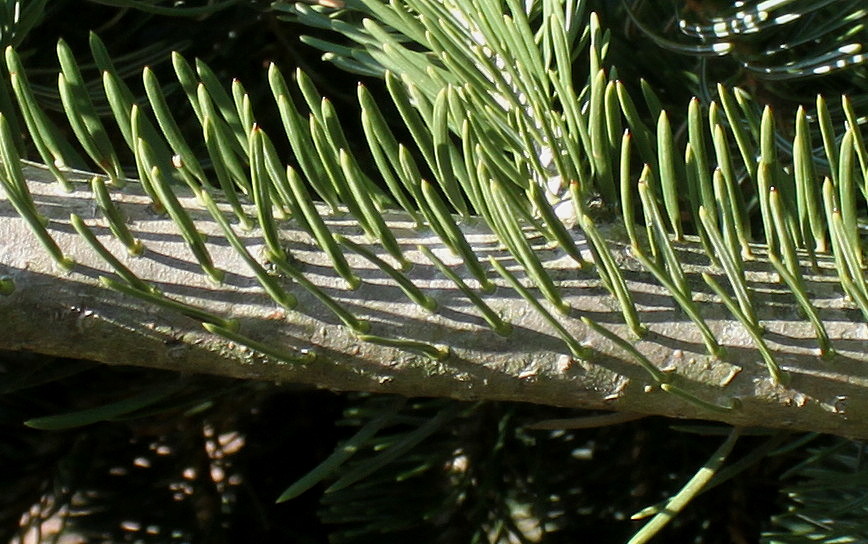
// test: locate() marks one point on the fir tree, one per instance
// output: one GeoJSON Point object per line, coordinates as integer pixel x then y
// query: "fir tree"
{"type": "Point", "coordinates": [595, 205]}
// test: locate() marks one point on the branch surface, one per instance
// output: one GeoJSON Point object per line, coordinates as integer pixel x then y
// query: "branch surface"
{"type": "Point", "coordinates": [72, 314]}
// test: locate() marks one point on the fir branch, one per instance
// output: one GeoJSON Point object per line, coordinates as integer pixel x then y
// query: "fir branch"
{"type": "Point", "coordinates": [72, 315]}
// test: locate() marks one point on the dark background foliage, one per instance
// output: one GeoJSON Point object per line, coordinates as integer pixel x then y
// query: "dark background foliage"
{"type": "Point", "coordinates": [207, 464]}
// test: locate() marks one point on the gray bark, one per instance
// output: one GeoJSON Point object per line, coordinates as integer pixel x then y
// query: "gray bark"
{"type": "Point", "coordinates": [72, 315]}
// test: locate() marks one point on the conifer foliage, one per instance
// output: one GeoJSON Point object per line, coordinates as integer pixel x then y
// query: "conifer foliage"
{"type": "Point", "coordinates": [711, 150]}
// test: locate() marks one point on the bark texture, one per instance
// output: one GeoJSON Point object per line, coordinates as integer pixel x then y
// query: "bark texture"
{"type": "Point", "coordinates": [71, 314]}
